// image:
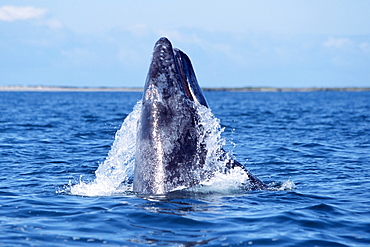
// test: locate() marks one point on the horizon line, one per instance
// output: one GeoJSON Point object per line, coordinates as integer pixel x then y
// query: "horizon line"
{"type": "Point", "coordinates": [40, 88]}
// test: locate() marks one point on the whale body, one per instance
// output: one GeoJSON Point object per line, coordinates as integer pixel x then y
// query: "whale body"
{"type": "Point", "coordinates": [170, 149]}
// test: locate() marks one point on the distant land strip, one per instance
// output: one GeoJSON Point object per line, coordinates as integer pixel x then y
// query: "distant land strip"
{"type": "Point", "coordinates": [139, 89]}
{"type": "Point", "coordinates": [69, 89]}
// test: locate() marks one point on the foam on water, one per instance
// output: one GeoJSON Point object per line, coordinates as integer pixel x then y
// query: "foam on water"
{"type": "Point", "coordinates": [114, 175]}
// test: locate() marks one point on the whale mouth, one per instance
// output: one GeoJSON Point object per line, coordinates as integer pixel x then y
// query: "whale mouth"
{"type": "Point", "coordinates": [189, 81]}
{"type": "Point", "coordinates": [172, 68]}
{"type": "Point", "coordinates": [184, 80]}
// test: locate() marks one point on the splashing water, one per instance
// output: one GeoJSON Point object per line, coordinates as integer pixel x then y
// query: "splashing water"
{"type": "Point", "coordinates": [114, 175]}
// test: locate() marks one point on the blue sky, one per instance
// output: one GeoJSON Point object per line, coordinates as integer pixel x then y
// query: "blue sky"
{"type": "Point", "coordinates": [271, 43]}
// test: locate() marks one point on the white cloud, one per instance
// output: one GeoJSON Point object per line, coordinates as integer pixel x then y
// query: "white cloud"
{"type": "Point", "coordinates": [53, 23]}
{"type": "Point", "coordinates": [13, 13]}
{"type": "Point", "coordinates": [138, 29]}
{"type": "Point", "coordinates": [365, 47]}
{"type": "Point", "coordinates": [336, 42]}
{"type": "Point", "coordinates": [80, 57]}
{"type": "Point", "coordinates": [127, 56]}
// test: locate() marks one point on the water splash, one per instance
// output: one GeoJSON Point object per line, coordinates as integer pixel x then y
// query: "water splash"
{"type": "Point", "coordinates": [285, 185]}
{"type": "Point", "coordinates": [115, 174]}
{"type": "Point", "coordinates": [233, 182]}
{"type": "Point", "coordinates": [211, 137]}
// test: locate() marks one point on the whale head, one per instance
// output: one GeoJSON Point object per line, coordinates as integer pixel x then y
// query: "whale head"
{"type": "Point", "coordinates": [169, 148]}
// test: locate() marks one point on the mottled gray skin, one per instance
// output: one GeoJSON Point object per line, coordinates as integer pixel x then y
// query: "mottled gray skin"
{"type": "Point", "coordinates": [167, 144]}
{"type": "Point", "coordinates": [169, 148]}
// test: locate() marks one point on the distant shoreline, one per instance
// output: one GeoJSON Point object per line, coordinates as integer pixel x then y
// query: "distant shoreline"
{"type": "Point", "coordinates": [138, 89]}
{"type": "Point", "coordinates": [68, 89]}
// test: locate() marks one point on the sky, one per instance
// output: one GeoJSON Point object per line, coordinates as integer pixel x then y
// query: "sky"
{"type": "Point", "coordinates": [264, 43]}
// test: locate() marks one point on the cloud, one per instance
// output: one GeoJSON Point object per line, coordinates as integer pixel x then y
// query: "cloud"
{"type": "Point", "coordinates": [365, 47]}
{"type": "Point", "coordinates": [53, 23]}
{"type": "Point", "coordinates": [80, 57]}
{"type": "Point", "coordinates": [138, 29]}
{"type": "Point", "coordinates": [336, 42]}
{"type": "Point", "coordinates": [13, 13]}
{"type": "Point", "coordinates": [127, 56]}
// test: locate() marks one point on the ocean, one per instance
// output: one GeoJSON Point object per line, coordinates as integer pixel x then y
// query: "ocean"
{"type": "Point", "coordinates": [311, 148]}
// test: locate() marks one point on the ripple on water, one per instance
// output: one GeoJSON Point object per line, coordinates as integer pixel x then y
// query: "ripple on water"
{"type": "Point", "coordinates": [318, 141]}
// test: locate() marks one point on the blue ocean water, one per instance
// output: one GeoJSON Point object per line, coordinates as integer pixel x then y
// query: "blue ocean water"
{"type": "Point", "coordinates": [320, 141]}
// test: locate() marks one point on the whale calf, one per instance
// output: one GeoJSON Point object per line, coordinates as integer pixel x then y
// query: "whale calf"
{"type": "Point", "coordinates": [171, 153]}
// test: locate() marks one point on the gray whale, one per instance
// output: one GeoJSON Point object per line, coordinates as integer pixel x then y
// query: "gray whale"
{"type": "Point", "coordinates": [170, 149]}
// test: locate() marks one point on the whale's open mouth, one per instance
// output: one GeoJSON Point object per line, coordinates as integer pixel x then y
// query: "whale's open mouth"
{"type": "Point", "coordinates": [183, 74]}
{"type": "Point", "coordinates": [188, 78]}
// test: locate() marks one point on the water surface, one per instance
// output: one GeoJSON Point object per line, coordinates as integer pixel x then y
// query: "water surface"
{"type": "Point", "coordinates": [320, 141]}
